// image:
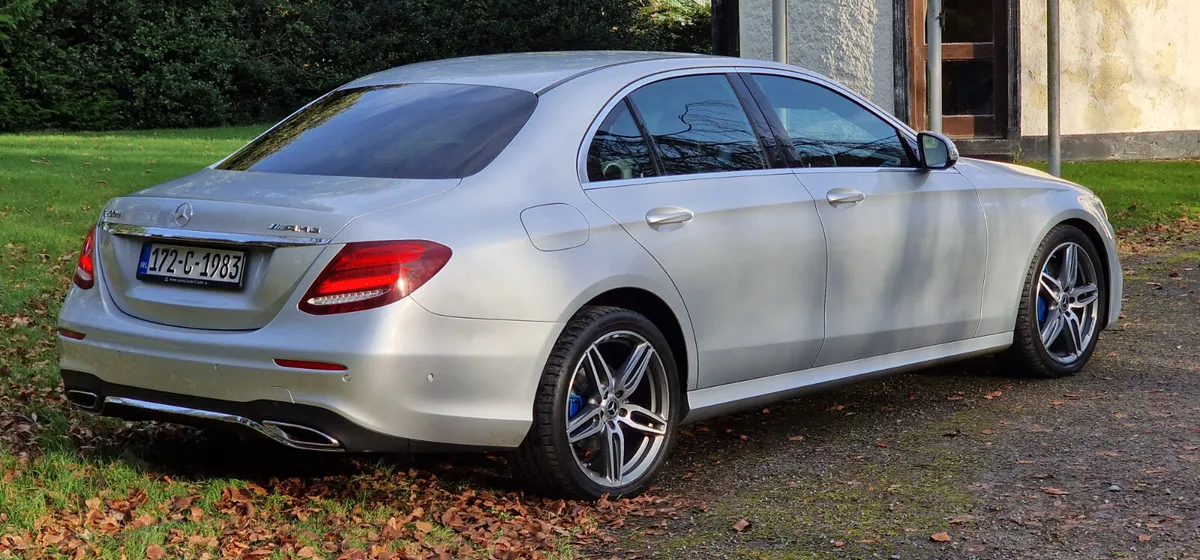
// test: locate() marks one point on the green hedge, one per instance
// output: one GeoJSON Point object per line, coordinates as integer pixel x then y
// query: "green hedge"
{"type": "Point", "coordinates": [110, 64]}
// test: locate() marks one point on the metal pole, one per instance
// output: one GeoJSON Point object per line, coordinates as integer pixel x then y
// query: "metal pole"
{"type": "Point", "coordinates": [779, 20]}
{"type": "Point", "coordinates": [933, 72]}
{"type": "Point", "coordinates": [1054, 93]}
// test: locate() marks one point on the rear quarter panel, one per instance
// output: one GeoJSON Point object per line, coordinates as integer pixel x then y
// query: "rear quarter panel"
{"type": "Point", "coordinates": [496, 271]}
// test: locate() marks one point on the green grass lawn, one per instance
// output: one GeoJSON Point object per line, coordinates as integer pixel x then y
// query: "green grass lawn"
{"type": "Point", "coordinates": [68, 480]}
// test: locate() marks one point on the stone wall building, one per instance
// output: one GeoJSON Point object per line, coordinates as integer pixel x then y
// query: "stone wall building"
{"type": "Point", "coordinates": [1130, 81]}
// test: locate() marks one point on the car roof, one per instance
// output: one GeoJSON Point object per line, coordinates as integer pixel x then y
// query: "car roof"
{"type": "Point", "coordinates": [535, 72]}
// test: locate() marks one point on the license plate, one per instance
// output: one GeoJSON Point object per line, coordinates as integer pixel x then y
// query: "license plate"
{"type": "Point", "coordinates": [196, 266]}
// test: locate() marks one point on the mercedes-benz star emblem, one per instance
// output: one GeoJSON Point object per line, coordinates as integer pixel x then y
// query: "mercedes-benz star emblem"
{"type": "Point", "coordinates": [183, 214]}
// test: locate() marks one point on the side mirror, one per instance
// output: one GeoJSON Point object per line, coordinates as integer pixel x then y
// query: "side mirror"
{"type": "Point", "coordinates": [937, 151]}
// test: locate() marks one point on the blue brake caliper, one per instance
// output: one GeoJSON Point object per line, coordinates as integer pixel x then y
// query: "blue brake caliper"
{"type": "Point", "coordinates": [574, 403]}
{"type": "Point", "coordinates": [1041, 300]}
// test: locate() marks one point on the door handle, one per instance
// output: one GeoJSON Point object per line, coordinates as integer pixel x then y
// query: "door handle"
{"type": "Point", "coordinates": [844, 197]}
{"type": "Point", "coordinates": [668, 218]}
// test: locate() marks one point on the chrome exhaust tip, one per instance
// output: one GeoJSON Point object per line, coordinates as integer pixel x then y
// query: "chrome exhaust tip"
{"type": "Point", "coordinates": [86, 400]}
{"type": "Point", "coordinates": [303, 437]}
{"type": "Point", "coordinates": [290, 435]}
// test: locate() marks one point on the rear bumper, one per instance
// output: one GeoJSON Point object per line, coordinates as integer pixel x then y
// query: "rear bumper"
{"type": "Point", "coordinates": [293, 425]}
{"type": "Point", "coordinates": [414, 380]}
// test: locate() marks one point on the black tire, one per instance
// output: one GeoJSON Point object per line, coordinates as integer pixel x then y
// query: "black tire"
{"type": "Point", "coordinates": [1028, 355]}
{"type": "Point", "coordinates": [545, 460]}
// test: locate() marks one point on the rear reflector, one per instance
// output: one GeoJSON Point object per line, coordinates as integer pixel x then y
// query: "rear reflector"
{"type": "Point", "coordinates": [71, 334]}
{"type": "Point", "coordinates": [306, 364]}
{"type": "Point", "coordinates": [85, 269]}
{"type": "Point", "coordinates": [373, 274]}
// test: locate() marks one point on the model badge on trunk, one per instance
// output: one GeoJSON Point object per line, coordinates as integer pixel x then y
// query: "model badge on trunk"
{"type": "Point", "coordinates": [303, 229]}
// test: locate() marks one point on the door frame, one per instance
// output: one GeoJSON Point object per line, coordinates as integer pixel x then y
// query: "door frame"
{"type": "Point", "coordinates": [909, 47]}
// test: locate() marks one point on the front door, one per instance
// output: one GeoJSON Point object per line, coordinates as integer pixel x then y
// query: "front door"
{"type": "Point", "coordinates": [907, 247]}
{"type": "Point", "coordinates": [974, 67]}
{"type": "Point", "coordinates": [741, 241]}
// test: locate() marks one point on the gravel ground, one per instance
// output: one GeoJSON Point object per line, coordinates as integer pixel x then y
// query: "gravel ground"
{"type": "Point", "coordinates": [967, 461]}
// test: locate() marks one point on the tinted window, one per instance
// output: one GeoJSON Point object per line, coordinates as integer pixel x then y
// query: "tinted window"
{"type": "Point", "coordinates": [618, 150]}
{"type": "Point", "coordinates": [698, 125]}
{"type": "Point", "coordinates": [830, 130]}
{"type": "Point", "coordinates": [416, 131]}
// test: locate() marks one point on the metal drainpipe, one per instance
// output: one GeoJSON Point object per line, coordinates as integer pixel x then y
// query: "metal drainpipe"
{"type": "Point", "coordinates": [1053, 90]}
{"type": "Point", "coordinates": [779, 15]}
{"type": "Point", "coordinates": [933, 82]}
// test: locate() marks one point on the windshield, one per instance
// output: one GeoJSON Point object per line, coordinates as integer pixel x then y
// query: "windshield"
{"type": "Point", "coordinates": [411, 131]}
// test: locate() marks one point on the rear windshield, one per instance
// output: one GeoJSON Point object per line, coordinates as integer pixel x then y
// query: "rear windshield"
{"type": "Point", "coordinates": [412, 131]}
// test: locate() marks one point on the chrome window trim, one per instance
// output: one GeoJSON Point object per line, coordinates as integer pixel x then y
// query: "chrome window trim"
{"type": "Point", "coordinates": [687, 177]}
{"type": "Point", "coordinates": [581, 156]}
{"type": "Point", "coordinates": [211, 236]}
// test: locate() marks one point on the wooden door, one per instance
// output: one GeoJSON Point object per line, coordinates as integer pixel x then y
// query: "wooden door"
{"type": "Point", "coordinates": [974, 67]}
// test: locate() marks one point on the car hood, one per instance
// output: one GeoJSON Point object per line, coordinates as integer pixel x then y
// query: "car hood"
{"type": "Point", "coordinates": [986, 173]}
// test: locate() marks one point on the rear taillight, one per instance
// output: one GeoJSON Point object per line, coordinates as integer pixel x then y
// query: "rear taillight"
{"type": "Point", "coordinates": [85, 269]}
{"type": "Point", "coordinates": [373, 274]}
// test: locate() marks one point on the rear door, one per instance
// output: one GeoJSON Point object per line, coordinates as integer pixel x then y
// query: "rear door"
{"type": "Point", "coordinates": [907, 246]}
{"type": "Point", "coordinates": [679, 164]}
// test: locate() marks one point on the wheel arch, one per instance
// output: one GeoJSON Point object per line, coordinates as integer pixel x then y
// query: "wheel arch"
{"type": "Point", "coordinates": [654, 308]}
{"type": "Point", "coordinates": [1093, 235]}
{"type": "Point", "coordinates": [1100, 236]}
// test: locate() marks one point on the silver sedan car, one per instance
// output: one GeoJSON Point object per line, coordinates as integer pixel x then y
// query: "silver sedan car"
{"type": "Point", "coordinates": [566, 256]}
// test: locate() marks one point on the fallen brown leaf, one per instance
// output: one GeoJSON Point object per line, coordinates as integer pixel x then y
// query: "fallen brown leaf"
{"type": "Point", "coordinates": [741, 526]}
{"type": "Point", "coordinates": [940, 537]}
{"type": "Point", "coordinates": [1054, 491]}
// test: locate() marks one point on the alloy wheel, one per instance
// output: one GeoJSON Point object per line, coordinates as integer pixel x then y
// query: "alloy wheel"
{"type": "Point", "coordinates": [1068, 303]}
{"type": "Point", "coordinates": [617, 409]}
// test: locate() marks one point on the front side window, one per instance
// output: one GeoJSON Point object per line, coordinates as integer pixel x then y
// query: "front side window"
{"type": "Point", "coordinates": [698, 125]}
{"type": "Point", "coordinates": [412, 131]}
{"type": "Point", "coordinates": [619, 150]}
{"type": "Point", "coordinates": [830, 130]}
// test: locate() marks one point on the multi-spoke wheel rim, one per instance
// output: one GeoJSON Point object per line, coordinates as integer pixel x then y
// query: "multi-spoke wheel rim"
{"type": "Point", "coordinates": [617, 409]}
{"type": "Point", "coordinates": [1068, 303]}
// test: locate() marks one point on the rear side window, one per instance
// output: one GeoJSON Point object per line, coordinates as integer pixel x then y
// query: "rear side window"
{"type": "Point", "coordinates": [830, 130]}
{"type": "Point", "coordinates": [698, 125]}
{"type": "Point", "coordinates": [412, 131]}
{"type": "Point", "coordinates": [619, 150]}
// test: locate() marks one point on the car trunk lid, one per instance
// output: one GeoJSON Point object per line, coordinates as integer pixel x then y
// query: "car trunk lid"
{"type": "Point", "coordinates": [282, 222]}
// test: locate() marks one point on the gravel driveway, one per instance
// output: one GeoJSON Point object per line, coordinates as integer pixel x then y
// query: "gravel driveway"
{"type": "Point", "coordinates": [966, 461]}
